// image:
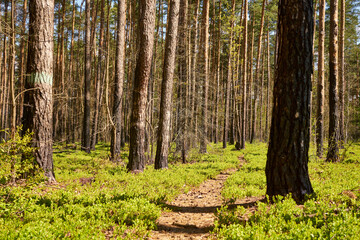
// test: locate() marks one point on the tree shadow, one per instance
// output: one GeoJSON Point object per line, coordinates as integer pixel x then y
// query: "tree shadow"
{"type": "Point", "coordinates": [187, 229]}
{"type": "Point", "coordinates": [212, 209]}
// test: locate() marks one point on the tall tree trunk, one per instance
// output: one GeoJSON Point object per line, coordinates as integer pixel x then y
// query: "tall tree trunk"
{"type": "Point", "coordinates": [38, 102]}
{"type": "Point", "coordinates": [261, 96]}
{"type": "Point", "coordinates": [204, 70]}
{"type": "Point", "coordinates": [163, 141]}
{"type": "Point", "coordinates": [250, 86]}
{"type": "Point", "coordinates": [85, 146]}
{"type": "Point", "coordinates": [320, 82]}
{"type": "Point", "coordinates": [99, 80]}
{"type": "Point", "coordinates": [70, 137]}
{"type": "Point", "coordinates": [119, 80]}
{"type": "Point", "coordinates": [268, 87]}
{"type": "Point", "coordinates": [218, 64]}
{"type": "Point", "coordinates": [333, 147]}
{"type": "Point", "coordinates": [194, 74]}
{"type": "Point", "coordinates": [287, 158]}
{"type": "Point", "coordinates": [228, 80]}
{"type": "Point", "coordinates": [244, 97]}
{"type": "Point", "coordinates": [257, 73]}
{"type": "Point", "coordinates": [218, 56]}
{"type": "Point", "coordinates": [4, 113]}
{"type": "Point", "coordinates": [183, 77]}
{"type": "Point", "coordinates": [12, 72]}
{"type": "Point", "coordinates": [142, 74]}
{"type": "Point", "coordinates": [22, 64]}
{"type": "Point", "coordinates": [342, 82]}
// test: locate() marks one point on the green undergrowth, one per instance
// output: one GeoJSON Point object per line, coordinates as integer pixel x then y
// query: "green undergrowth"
{"type": "Point", "coordinates": [334, 214]}
{"type": "Point", "coordinates": [98, 199]}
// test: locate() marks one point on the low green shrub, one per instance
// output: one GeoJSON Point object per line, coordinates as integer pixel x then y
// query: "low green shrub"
{"type": "Point", "coordinates": [333, 215]}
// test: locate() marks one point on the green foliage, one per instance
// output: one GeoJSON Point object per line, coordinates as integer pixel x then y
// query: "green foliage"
{"type": "Point", "coordinates": [250, 180]}
{"type": "Point", "coordinates": [16, 157]}
{"type": "Point", "coordinates": [98, 199]}
{"type": "Point", "coordinates": [333, 215]}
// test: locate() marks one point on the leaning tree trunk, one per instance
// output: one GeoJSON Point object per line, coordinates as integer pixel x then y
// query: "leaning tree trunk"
{"type": "Point", "coordinates": [163, 141]}
{"type": "Point", "coordinates": [146, 31]}
{"type": "Point", "coordinates": [287, 163]}
{"type": "Point", "coordinates": [119, 81]}
{"type": "Point", "coordinates": [333, 148]}
{"type": "Point", "coordinates": [38, 99]}
{"type": "Point", "coordinates": [85, 145]}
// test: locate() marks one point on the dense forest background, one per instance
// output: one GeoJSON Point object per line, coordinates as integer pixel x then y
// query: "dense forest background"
{"type": "Point", "coordinates": [224, 70]}
{"type": "Point", "coordinates": [193, 119]}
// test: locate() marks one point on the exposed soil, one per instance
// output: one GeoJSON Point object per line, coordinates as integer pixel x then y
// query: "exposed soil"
{"type": "Point", "coordinates": [192, 214]}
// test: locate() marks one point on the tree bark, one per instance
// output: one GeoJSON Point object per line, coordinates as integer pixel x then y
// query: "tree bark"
{"type": "Point", "coordinates": [163, 141]}
{"type": "Point", "coordinates": [38, 98]}
{"type": "Point", "coordinates": [333, 147]}
{"type": "Point", "coordinates": [22, 64]}
{"type": "Point", "coordinates": [267, 124]}
{"type": "Point", "coordinates": [119, 81]}
{"type": "Point", "coordinates": [320, 82]}
{"type": "Point", "coordinates": [12, 73]}
{"type": "Point", "coordinates": [146, 30]}
{"type": "Point", "coordinates": [183, 78]}
{"type": "Point", "coordinates": [257, 73]}
{"type": "Point", "coordinates": [287, 163]}
{"type": "Point", "coordinates": [342, 82]}
{"type": "Point", "coordinates": [87, 82]}
{"type": "Point", "coordinates": [194, 73]}
{"type": "Point", "coordinates": [99, 80]}
{"type": "Point", "coordinates": [204, 70]}
{"type": "Point", "coordinates": [244, 97]}
{"type": "Point", "coordinates": [228, 80]}
{"type": "Point", "coordinates": [4, 112]}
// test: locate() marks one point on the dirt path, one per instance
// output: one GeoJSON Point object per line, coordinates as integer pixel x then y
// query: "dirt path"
{"type": "Point", "coordinates": [192, 215]}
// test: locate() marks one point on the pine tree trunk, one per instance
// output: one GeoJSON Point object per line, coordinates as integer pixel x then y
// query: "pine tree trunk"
{"type": "Point", "coordinates": [228, 80]}
{"type": "Point", "coordinates": [183, 78]}
{"type": "Point", "coordinates": [22, 64]}
{"type": "Point", "coordinates": [12, 73]}
{"type": "Point", "coordinates": [119, 81]}
{"type": "Point", "coordinates": [333, 147]}
{"type": "Point", "coordinates": [342, 82]}
{"type": "Point", "coordinates": [257, 73]}
{"type": "Point", "coordinates": [4, 113]}
{"type": "Point", "coordinates": [85, 146]}
{"type": "Point", "coordinates": [162, 151]}
{"type": "Point", "coordinates": [249, 104]}
{"type": "Point", "coordinates": [204, 70]}
{"type": "Point", "coordinates": [194, 73]}
{"type": "Point", "coordinates": [320, 82]}
{"type": "Point", "coordinates": [287, 163]}
{"type": "Point", "coordinates": [70, 136]}
{"type": "Point", "coordinates": [268, 89]}
{"type": "Point", "coordinates": [99, 80]}
{"type": "Point", "coordinates": [244, 97]}
{"type": "Point", "coordinates": [38, 102]}
{"type": "Point", "coordinates": [146, 30]}
{"type": "Point", "coordinates": [218, 55]}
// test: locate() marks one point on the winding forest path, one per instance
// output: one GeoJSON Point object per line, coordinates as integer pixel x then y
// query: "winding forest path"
{"type": "Point", "coordinates": [192, 214]}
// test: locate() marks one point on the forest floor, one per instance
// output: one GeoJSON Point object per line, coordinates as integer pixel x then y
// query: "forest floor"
{"type": "Point", "coordinates": [217, 195]}
{"type": "Point", "coordinates": [192, 215]}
